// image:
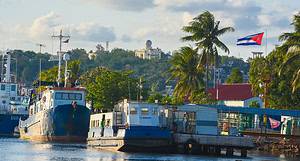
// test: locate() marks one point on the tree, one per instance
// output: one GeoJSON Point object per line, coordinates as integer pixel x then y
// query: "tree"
{"type": "Point", "coordinates": [189, 78]}
{"type": "Point", "coordinates": [50, 75]}
{"type": "Point", "coordinates": [291, 46]}
{"type": "Point", "coordinates": [254, 104]}
{"type": "Point", "coordinates": [278, 90]}
{"type": "Point", "coordinates": [236, 76]}
{"type": "Point", "coordinates": [205, 33]}
{"type": "Point", "coordinates": [155, 96]}
{"type": "Point", "coordinates": [106, 87]}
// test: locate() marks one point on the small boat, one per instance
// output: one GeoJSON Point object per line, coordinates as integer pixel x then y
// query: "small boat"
{"type": "Point", "coordinates": [13, 105]}
{"type": "Point", "coordinates": [60, 115]}
{"type": "Point", "coordinates": [132, 126]}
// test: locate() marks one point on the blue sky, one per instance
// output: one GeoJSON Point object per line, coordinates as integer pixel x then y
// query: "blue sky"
{"type": "Point", "coordinates": [129, 23]}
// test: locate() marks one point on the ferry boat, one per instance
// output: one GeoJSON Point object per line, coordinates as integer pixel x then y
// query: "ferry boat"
{"type": "Point", "coordinates": [60, 115]}
{"type": "Point", "coordinates": [132, 126]}
{"type": "Point", "coordinates": [13, 106]}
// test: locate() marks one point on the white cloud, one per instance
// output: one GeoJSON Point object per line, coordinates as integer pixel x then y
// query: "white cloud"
{"type": "Point", "coordinates": [186, 18]}
{"type": "Point", "coordinates": [125, 5]}
{"type": "Point", "coordinates": [94, 32]}
{"type": "Point", "coordinates": [42, 26]}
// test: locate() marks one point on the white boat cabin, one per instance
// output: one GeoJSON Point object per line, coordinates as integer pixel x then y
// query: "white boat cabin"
{"type": "Point", "coordinates": [9, 95]}
{"type": "Point", "coordinates": [127, 114]}
{"type": "Point", "coordinates": [55, 96]}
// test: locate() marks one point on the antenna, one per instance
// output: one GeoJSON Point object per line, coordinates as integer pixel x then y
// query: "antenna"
{"type": "Point", "coordinates": [60, 37]}
{"type": "Point", "coordinates": [107, 45]}
{"type": "Point", "coordinates": [40, 46]}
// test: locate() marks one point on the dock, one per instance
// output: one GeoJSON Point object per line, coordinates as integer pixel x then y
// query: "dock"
{"type": "Point", "coordinates": [212, 144]}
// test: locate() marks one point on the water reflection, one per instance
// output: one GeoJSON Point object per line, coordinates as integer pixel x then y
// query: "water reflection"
{"type": "Point", "coordinates": [18, 150]}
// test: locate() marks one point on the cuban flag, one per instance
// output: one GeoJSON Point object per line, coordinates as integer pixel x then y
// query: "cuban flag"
{"type": "Point", "coordinates": [255, 39]}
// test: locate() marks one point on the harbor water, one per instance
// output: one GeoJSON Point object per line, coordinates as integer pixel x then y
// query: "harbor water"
{"type": "Point", "coordinates": [13, 149]}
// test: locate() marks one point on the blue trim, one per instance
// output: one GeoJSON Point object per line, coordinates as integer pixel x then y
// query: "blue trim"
{"type": "Point", "coordinates": [251, 110]}
{"type": "Point", "coordinates": [206, 123]}
{"type": "Point", "coordinates": [147, 132]}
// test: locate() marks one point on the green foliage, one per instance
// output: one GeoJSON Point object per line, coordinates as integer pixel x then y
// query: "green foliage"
{"type": "Point", "coordinates": [189, 78]}
{"type": "Point", "coordinates": [254, 104]}
{"type": "Point", "coordinates": [291, 46]}
{"type": "Point", "coordinates": [201, 97]}
{"type": "Point", "coordinates": [155, 96]}
{"type": "Point", "coordinates": [50, 75]}
{"type": "Point", "coordinates": [279, 90]}
{"type": "Point", "coordinates": [236, 76]}
{"type": "Point", "coordinates": [106, 87]}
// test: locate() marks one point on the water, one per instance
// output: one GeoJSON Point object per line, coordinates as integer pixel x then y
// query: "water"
{"type": "Point", "coordinates": [12, 149]}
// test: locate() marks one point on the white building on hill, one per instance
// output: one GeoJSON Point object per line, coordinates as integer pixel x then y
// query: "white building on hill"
{"type": "Point", "coordinates": [149, 52]}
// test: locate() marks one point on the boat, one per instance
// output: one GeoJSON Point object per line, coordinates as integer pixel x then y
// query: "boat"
{"type": "Point", "coordinates": [13, 105]}
{"type": "Point", "coordinates": [59, 113]}
{"type": "Point", "coordinates": [132, 126]}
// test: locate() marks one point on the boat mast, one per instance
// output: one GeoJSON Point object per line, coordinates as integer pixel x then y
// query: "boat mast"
{"type": "Point", "coordinates": [60, 37]}
{"type": "Point", "coordinates": [6, 64]}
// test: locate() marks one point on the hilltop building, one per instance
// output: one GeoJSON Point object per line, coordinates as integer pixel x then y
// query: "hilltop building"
{"type": "Point", "coordinates": [92, 55]}
{"type": "Point", "coordinates": [239, 94]}
{"type": "Point", "coordinates": [149, 52]}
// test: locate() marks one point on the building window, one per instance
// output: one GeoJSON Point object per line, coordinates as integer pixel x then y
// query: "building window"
{"type": "Point", "coordinates": [13, 87]}
{"type": "Point", "coordinates": [133, 111]}
{"type": "Point", "coordinates": [2, 87]}
{"type": "Point", "coordinates": [144, 111]}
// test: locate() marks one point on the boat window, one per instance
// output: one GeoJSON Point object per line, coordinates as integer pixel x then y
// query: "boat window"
{"type": "Point", "coordinates": [78, 96]}
{"type": "Point", "coordinates": [68, 96]}
{"type": "Point", "coordinates": [133, 111]}
{"type": "Point", "coordinates": [72, 96]}
{"type": "Point", "coordinates": [65, 96]}
{"type": "Point", "coordinates": [2, 87]}
{"type": "Point", "coordinates": [58, 96]}
{"type": "Point", "coordinates": [144, 111]}
{"type": "Point", "coordinates": [13, 98]}
{"type": "Point", "coordinates": [13, 87]}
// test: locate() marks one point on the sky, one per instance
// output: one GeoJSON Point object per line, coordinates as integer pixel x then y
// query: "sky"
{"type": "Point", "coordinates": [129, 23]}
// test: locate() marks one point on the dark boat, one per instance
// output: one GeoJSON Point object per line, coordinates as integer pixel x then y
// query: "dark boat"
{"type": "Point", "coordinates": [60, 115]}
{"type": "Point", "coordinates": [13, 106]}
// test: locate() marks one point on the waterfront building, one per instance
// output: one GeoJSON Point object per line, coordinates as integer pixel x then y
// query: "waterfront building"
{"type": "Point", "coordinates": [238, 94]}
{"type": "Point", "coordinates": [148, 52]}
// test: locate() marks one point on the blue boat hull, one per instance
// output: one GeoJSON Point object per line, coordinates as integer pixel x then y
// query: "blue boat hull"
{"type": "Point", "coordinates": [8, 123]}
{"type": "Point", "coordinates": [133, 139]}
{"type": "Point", "coordinates": [62, 123]}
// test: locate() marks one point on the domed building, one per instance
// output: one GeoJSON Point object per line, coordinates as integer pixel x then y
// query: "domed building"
{"type": "Point", "coordinates": [148, 52]}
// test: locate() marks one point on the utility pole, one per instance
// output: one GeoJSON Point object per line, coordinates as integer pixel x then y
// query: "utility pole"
{"type": "Point", "coordinates": [40, 47]}
{"type": "Point", "coordinates": [60, 37]}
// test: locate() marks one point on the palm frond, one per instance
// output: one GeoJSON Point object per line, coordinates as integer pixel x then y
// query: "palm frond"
{"type": "Point", "coordinates": [288, 62]}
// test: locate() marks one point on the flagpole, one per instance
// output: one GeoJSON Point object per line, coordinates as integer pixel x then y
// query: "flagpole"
{"type": "Point", "coordinates": [266, 46]}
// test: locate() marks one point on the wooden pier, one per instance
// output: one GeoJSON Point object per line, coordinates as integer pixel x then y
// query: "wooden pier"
{"type": "Point", "coordinates": [211, 144]}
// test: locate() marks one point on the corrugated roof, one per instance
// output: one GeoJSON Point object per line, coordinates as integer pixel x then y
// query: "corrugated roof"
{"type": "Point", "coordinates": [232, 92]}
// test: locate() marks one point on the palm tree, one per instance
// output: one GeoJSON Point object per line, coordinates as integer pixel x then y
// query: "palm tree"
{"type": "Point", "coordinates": [185, 71]}
{"type": "Point", "coordinates": [204, 32]}
{"type": "Point", "coordinates": [291, 45]}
